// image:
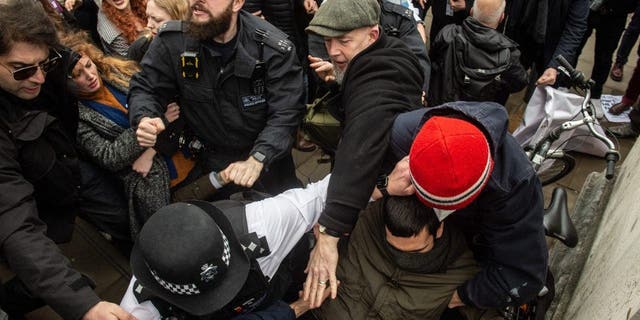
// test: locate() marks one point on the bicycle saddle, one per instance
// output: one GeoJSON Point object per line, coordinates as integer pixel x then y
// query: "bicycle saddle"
{"type": "Point", "coordinates": [557, 222]}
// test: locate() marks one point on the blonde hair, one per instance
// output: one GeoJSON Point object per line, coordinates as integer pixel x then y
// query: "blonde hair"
{"type": "Point", "coordinates": [113, 69]}
{"type": "Point", "coordinates": [177, 9]}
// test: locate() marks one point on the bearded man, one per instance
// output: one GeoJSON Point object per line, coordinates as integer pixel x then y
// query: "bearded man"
{"type": "Point", "coordinates": [239, 83]}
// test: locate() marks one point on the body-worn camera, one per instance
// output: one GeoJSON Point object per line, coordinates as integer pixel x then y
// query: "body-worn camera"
{"type": "Point", "coordinates": [190, 64]}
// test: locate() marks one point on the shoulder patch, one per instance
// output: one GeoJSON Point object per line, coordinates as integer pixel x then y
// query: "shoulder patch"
{"type": "Point", "coordinates": [274, 40]}
{"type": "Point", "coordinates": [397, 9]}
{"type": "Point", "coordinates": [171, 26]}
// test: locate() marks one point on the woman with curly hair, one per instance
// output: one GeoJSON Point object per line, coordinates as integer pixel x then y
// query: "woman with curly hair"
{"type": "Point", "coordinates": [119, 24]}
{"type": "Point", "coordinates": [158, 12]}
{"type": "Point", "coordinates": [101, 83]}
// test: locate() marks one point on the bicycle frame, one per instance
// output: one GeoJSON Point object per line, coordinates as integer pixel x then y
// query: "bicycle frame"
{"type": "Point", "coordinates": [539, 152]}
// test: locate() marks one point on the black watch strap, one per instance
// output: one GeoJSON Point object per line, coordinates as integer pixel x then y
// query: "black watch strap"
{"type": "Point", "coordinates": [381, 183]}
{"type": "Point", "coordinates": [330, 232]}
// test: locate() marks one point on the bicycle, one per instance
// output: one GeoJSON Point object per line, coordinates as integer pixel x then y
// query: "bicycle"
{"type": "Point", "coordinates": [541, 153]}
{"type": "Point", "coordinates": [557, 223]}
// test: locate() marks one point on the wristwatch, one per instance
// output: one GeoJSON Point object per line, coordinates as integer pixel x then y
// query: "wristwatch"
{"type": "Point", "coordinates": [330, 232]}
{"type": "Point", "coordinates": [381, 183]}
{"type": "Point", "coordinates": [259, 156]}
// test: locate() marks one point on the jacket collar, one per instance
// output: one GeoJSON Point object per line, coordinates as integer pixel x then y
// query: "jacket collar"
{"type": "Point", "coordinates": [491, 117]}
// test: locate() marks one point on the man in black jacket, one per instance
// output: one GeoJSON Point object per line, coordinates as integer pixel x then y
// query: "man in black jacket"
{"type": "Point", "coordinates": [240, 88]}
{"type": "Point", "coordinates": [379, 78]}
{"type": "Point", "coordinates": [455, 75]}
{"type": "Point", "coordinates": [35, 155]}
{"type": "Point", "coordinates": [488, 188]}
{"type": "Point", "coordinates": [545, 29]}
{"type": "Point", "coordinates": [395, 21]}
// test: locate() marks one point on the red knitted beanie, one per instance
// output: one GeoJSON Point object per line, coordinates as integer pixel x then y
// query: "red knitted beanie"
{"type": "Point", "coordinates": [450, 163]}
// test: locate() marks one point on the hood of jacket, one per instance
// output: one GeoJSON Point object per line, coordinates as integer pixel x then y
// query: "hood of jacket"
{"type": "Point", "coordinates": [491, 117]}
{"type": "Point", "coordinates": [485, 38]}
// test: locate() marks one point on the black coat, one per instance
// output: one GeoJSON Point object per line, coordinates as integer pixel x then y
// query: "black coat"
{"type": "Point", "coordinates": [34, 258]}
{"type": "Point", "coordinates": [222, 105]}
{"type": "Point", "coordinates": [504, 224]}
{"type": "Point", "coordinates": [380, 82]}
{"type": "Point", "coordinates": [483, 38]}
{"type": "Point", "coordinates": [545, 29]}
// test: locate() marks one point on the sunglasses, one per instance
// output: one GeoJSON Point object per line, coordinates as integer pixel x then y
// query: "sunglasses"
{"type": "Point", "coordinates": [27, 72]}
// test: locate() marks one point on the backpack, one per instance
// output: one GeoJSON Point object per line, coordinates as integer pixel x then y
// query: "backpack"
{"type": "Point", "coordinates": [469, 73]}
{"type": "Point", "coordinates": [319, 126]}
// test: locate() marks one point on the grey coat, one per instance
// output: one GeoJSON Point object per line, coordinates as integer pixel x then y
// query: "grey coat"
{"type": "Point", "coordinates": [115, 148]}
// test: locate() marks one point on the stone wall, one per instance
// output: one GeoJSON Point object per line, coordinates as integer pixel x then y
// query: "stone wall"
{"type": "Point", "coordinates": [607, 285]}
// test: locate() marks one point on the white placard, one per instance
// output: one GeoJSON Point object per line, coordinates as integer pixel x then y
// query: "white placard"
{"type": "Point", "coordinates": [607, 102]}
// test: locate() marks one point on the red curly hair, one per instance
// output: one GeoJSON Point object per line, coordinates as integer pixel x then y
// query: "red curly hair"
{"type": "Point", "coordinates": [126, 21]}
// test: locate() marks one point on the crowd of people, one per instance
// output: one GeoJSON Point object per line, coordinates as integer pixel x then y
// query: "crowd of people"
{"type": "Point", "coordinates": [170, 124]}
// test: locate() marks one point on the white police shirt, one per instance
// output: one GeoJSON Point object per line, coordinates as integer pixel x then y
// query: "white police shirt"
{"type": "Point", "coordinates": [282, 219]}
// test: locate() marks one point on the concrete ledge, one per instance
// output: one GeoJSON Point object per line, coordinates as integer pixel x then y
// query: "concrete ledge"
{"type": "Point", "coordinates": [567, 263]}
{"type": "Point", "coordinates": [600, 279]}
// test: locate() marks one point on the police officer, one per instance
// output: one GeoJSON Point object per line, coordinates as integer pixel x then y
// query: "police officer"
{"type": "Point", "coordinates": [240, 87]}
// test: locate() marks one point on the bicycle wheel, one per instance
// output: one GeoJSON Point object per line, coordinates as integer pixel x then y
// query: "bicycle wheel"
{"type": "Point", "coordinates": [555, 168]}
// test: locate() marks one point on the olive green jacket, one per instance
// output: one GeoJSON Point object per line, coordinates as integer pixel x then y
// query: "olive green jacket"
{"type": "Point", "coordinates": [373, 287]}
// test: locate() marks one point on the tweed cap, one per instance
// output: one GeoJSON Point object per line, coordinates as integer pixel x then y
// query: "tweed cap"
{"type": "Point", "coordinates": [337, 17]}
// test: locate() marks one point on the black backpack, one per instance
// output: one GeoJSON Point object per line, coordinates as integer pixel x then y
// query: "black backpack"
{"type": "Point", "coordinates": [470, 73]}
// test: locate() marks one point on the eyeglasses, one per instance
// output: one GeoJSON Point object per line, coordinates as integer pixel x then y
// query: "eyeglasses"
{"type": "Point", "coordinates": [27, 72]}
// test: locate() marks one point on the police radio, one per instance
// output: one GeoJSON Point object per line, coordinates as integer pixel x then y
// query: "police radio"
{"type": "Point", "coordinates": [190, 64]}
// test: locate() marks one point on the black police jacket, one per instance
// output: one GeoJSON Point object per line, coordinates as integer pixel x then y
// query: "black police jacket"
{"type": "Point", "coordinates": [252, 103]}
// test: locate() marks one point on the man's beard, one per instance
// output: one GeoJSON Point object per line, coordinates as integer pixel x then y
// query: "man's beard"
{"type": "Point", "coordinates": [339, 73]}
{"type": "Point", "coordinates": [214, 27]}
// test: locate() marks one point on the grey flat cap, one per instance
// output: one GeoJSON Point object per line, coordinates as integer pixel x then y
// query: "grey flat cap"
{"type": "Point", "coordinates": [337, 17]}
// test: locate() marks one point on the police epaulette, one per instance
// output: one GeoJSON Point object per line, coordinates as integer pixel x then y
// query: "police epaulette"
{"type": "Point", "coordinates": [397, 9]}
{"type": "Point", "coordinates": [141, 293]}
{"type": "Point", "coordinates": [173, 25]}
{"type": "Point", "coordinates": [275, 41]}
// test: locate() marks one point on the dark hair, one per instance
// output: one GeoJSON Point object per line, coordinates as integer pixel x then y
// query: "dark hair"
{"type": "Point", "coordinates": [407, 216]}
{"type": "Point", "coordinates": [25, 21]}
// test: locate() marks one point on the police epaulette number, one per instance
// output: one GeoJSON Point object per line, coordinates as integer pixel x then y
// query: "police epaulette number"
{"type": "Point", "coordinates": [170, 26]}
{"type": "Point", "coordinates": [274, 41]}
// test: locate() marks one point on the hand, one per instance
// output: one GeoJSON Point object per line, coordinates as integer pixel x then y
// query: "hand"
{"type": "Point", "coordinates": [321, 269]}
{"type": "Point", "coordinates": [243, 173]}
{"type": "Point", "coordinates": [173, 112]}
{"type": "Point", "coordinates": [143, 164]}
{"type": "Point", "coordinates": [548, 77]}
{"type": "Point", "coordinates": [148, 130]}
{"type": "Point", "coordinates": [258, 14]}
{"type": "Point", "coordinates": [455, 300]}
{"type": "Point", "coordinates": [107, 311]}
{"type": "Point", "coordinates": [399, 183]}
{"type": "Point", "coordinates": [71, 4]}
{"type": "Point", "coordinates": [300, 306]}
{"type": "Point", "coordinates": [458, 5]}
{"type": "Point", "coordinates": [311, 6]}
{"type": "Point", "coordinates": [422, 3]}
{"type": "Point", "coordinates": [324, 69]}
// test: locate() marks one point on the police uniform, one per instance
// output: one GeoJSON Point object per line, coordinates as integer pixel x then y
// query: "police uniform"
{"type": "Point", "coordinates": [248, 105]}
{"type": "Point", "coordinates": [268, 231]}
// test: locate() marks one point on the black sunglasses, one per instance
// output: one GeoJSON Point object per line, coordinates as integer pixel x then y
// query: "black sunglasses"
{"type": "Point", "coordinates": [46, 66]}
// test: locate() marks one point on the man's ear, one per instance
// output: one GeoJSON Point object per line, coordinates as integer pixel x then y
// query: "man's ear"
{"type": "Point", "coordinates": [237, 5]}
{"type": "Point", "coordinates": [440, 230]}
{"type": "Point", "coordinates": [374, 33]}
{"type": "Point", "coordinates": [501, 17]}
{"type": "Point", "coordinates": [471, 12]}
